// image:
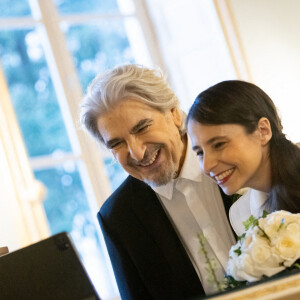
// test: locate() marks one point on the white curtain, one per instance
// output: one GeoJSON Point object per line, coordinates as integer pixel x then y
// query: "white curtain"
{"type": "Point", "coordinates": [22, 217]}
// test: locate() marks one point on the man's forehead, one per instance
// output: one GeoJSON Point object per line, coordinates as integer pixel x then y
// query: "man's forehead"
{"type": "Point", "coordinates": [133, 103]}
{"type": "Point", "coordinates": [129, 111]}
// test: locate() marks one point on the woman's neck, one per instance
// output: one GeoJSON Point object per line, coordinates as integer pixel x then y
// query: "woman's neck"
{"type": "Point", "coordinates": [262, 181]}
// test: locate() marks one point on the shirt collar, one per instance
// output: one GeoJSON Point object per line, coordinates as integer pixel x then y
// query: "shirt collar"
{"type": "Point", "coordinates": [190, 170]}
{"type": "Point", "coordinates": [257, 200]}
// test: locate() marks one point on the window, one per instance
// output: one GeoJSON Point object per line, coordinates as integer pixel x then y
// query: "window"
{"type": "Point", "coordinates": [49, 52]}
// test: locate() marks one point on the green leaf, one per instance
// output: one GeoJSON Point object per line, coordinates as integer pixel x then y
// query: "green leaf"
{"type": "Point", "coordinates": [251, 221]}
{"type": "Point", "coordinates": [265, 213]}
{"type": "Point", "coordinates": [241, 236]}
{"type": "Point", "coordinates": [238, 251]}
{"type": "Point", "coordinates": [231, 283]}
{"type": "Point", "coordinates": [296, 266]}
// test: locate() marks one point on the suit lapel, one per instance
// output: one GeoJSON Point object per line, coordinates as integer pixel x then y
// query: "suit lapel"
{"type": "Point", "coordinates": [174, 259]}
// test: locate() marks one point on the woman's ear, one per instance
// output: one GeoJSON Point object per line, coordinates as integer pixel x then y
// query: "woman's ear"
{"type": "Point", "coordinates": [265, 130]}
{"type": "Point", "coordinates": [176, 115]}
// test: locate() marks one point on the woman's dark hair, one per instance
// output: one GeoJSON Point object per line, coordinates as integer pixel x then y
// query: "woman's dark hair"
{"type": "Point", "coordinates": [243, 103]}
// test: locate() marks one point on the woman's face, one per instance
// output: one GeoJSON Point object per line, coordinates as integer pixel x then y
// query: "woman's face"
{"type": "Point", "coordinates": [232, 157]}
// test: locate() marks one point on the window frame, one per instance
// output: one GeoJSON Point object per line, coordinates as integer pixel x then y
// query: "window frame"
{"type": "Point", "coordinates": [46, 20]}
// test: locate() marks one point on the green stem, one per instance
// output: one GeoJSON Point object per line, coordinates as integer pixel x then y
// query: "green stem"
{"type": "Point", "coordinates": [202, 241]}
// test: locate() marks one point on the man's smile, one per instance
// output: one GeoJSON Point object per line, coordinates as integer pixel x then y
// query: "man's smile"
{"type": "Point", "coordinates": [149, 161]}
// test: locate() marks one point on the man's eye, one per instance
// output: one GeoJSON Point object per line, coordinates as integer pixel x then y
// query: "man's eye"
{"type": "Point", "coordinates": [115, 145]}
{"type": "Point", "coordinates": [143, 128]}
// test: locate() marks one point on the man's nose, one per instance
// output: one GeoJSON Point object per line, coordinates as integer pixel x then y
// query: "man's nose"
{"type": "Point", "coordinates": [137, 150]}
{"type": "Point", "coordinates": [209, 161]}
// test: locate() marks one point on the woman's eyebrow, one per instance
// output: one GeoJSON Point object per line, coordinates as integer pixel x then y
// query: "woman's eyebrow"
{"type": "Point", "coordinates": [212, 140]}
{"type": "Point", "coordinates": [209, 142]}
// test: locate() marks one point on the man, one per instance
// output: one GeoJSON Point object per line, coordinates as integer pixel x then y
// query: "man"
{"type": "Point", "coordinates": [152, 222]}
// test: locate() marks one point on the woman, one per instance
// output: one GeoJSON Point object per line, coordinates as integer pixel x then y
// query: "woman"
{"type": "Point", "coordinates": [237, 134]}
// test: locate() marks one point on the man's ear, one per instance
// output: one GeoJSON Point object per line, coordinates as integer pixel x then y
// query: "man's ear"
{"type": "Point", "coordinates": [264, 129]}
{"type": "Point", "coordinates": [176, 115]}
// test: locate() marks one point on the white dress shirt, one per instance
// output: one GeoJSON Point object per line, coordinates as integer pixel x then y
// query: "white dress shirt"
{"type": "Point", "coordinates": [194, 205]}
{"type": "Point", "coordinates": [250, 203]}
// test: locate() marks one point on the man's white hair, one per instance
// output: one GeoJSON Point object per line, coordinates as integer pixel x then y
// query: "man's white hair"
{"type": "Point", "coordinates": [122, 83]}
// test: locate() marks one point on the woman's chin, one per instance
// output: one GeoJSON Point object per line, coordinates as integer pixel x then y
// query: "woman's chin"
{"type": "Point", "coordinates": [228, 191]}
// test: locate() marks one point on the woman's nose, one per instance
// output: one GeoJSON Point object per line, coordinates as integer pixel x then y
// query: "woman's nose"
{"type": "Point", "coordinates": [209, 161]}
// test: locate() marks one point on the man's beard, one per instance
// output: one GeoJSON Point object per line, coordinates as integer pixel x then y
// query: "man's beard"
{"type": "Point", "coordinates": [163, 178]}
{"type": "Point", "coordinates": [160, 177]}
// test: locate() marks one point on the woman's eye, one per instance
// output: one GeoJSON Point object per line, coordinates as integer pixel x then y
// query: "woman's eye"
{"type": "Point", "coordinates": [219, 145]}
{"type": "Point", "coordinates": [199, 153]}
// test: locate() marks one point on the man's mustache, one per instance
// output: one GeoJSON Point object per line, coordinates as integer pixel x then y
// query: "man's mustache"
{"type": "Point", "coordinates": [149, 152]}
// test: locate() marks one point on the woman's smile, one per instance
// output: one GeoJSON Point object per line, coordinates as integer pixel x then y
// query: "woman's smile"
{"type": "Point", "coordinates": [223, 177]}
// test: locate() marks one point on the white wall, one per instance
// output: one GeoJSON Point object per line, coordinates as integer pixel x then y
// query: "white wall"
{"type": "Point", "coordinates": [196, 54]}
{"type": "Point", "coordinates": [192, 44]}
{"type": "Point", "coordinates": [269, 31]}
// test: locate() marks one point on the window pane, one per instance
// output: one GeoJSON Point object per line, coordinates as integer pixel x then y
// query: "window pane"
{"type": "Point", "coordinates": [96, 48]}
{"type": "Point", "coordinates": [115, 172]}
{"type": "Point", "coordinates": [32, 93]}
{"type": "Point", "coordinates": [67, 209]}
{"type": "Point", "coordinates": [86, 6]}
{"type": "Point", "coordinates": [17, 8]}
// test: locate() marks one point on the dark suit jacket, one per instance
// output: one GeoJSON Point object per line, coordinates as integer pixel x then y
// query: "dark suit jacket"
{"type": "Point", "coordinates": [147, 256]}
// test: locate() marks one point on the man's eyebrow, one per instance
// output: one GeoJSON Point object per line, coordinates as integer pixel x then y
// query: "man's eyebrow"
{"type": "Point", "coordinates": [112, 142]}
{"type": "Point", "coordinates": [109, 144]}
{"type": "Point", "coordinates": [140, 125]}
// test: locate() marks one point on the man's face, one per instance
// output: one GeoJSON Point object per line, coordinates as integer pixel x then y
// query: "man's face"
{"type": "Point", "coordinates": [145, 142]}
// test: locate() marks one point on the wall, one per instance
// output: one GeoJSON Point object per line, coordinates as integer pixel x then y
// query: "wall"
{"type": "Point", "coordinates": [269, 33]}
{"type": "Point", "coordinates": [192, 44]}
{"type": "Point", "coordinates": [196, 55]}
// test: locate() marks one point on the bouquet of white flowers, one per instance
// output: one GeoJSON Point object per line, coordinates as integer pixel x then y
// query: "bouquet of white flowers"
{"type": "Point", "coordinates": [270, 245]}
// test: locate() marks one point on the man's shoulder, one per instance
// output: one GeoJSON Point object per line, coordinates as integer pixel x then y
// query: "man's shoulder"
{"type": "Point", "coordinates": [120, 200]}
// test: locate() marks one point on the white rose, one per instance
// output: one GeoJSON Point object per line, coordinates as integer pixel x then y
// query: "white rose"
{"type": "Point", "coordinates": [288, 248]}
{"type": "Point", "coordinates": [293, 229]}
{"type": "Point", "coordinates": [264, 258]}
{"type": "Point", "coordinates": [266, 249]}
{"type": "Point", "coordinates": [239, 266]}
{"type": "Point", "coordinates": [260, 251]}
{"type": "Point", "coordinates": [246, 269]}
{"type": "Point", "coordinates": [235, 262]}
{"type": "Point", "coordinates": [257, 259]}
{"type": "Point", "coordinates": [285, 235]}
{"type": "Point", "coordinates": [273, 222]}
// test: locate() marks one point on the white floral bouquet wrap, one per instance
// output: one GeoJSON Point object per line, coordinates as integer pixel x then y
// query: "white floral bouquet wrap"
{"type": "Point", "coordinates": [270, 245]}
